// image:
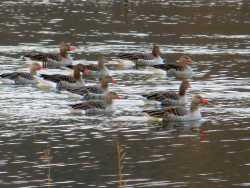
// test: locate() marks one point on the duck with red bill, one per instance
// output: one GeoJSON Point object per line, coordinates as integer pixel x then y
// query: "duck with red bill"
{"type": "Point", "coordinates": [58, 60]}
{"type": "Point", "coordinates": [97, 106]}
{"type": "Point", "coordinates": [100, 88]}
{"type": "Point", "coordinates": [175, 114]}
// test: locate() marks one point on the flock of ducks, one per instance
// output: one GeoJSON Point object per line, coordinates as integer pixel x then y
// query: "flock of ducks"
{"type": "Point", "coordinates": [95, 98]}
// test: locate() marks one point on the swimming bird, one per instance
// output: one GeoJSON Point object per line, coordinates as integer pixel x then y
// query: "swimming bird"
{"type": "Point", "coordinates": [132, 60]}
{"type": "Point", "coordinates": [168, 98]}
{"type": "Point", "coordinates": [181, 69]}
{"type": "Point", "coordinates": [94, 71]}
{"type": "Point", "coordinates": [143, 59]}
{"type": "Point", "coordinates": [174, 114]}
{"type": "Point", "coordinates": [23, 77]}
{"type": "Point", "coordinates": [54, 60]}
{"type": "Point", "coordinates": [83, 90]}
{"type": "Point", "coordinates": [94, 106]}
{"type": "Point", "coordinates": [75, 79]}
{"type": "Point", "coordinates": [95, 96]}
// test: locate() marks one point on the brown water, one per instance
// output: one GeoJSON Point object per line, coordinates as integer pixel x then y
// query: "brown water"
{"type": "Point", "coordinates": [43, 144]}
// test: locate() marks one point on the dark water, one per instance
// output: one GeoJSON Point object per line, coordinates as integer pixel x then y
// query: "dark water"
{"type": "Point", "coordinates": [43, 144]}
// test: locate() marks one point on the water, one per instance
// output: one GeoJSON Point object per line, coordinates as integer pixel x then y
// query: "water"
{"type": "Point", "coordinates": [44, 144]}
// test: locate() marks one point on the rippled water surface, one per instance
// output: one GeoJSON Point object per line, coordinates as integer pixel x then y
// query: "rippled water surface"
{"type": "Point", "coordinates": [44, 144]}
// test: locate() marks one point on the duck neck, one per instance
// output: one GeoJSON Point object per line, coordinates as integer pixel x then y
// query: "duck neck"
{"type": "Point", "coordinates": [104, 85]}
{"type": "Point", "coordinates": [182, 91]}
{"type": "Point", "coordinates": [108, 100]}
{"type": "Point", "coordinates": [156, 51]}
{"type": "Point", "coordinates": [77, 74]}
{"type": "Point", "coordinates": [63, 54]}
{"type": "Point", "coordinates": [194, 107]}
{"type": "Point", "coordinates": [33, 72]}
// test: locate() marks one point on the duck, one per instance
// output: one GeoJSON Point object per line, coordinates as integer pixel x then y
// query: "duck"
{"type": "Point", "coordinates": [143, 59]}
{"type": "Point", "coordinates": [22, 78]}
{"type": "Point", "coordinates": [95, 96]}
{"type": "Point", "coordinates": [83, 90]}
{"type": "Point", "coordinates": [54, 60]}
{"type": "Point", "coordinates": [181, 69]}
{"type": "Point", "coordinates": [176, 114]}
{"type": "Point", "coordinates": [93, 106]}
{"type": "Point", "coordinates": [171, 98]}
{"type": "Point", "coordinates": [96, 71]}
{"type": "Point", "coordinates": [133, 60]}
{"type": "Point", "coordinates": [75, 79]}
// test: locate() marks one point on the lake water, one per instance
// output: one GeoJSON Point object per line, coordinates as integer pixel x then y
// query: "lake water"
{"type": "Point", "coordinates": [44, 144]}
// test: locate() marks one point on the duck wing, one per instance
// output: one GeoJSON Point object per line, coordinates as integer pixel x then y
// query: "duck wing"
{"type": "Point", "coordinates": [168, 66]}
{"type": "Point", "coordinates": [58, 77]}
{"type": "Point", "coordinates": [42, 56]}
{"type": "Point", "coordinates": [82, 67]}
{"type": "Point", "coordinates": [135, 56]}
{"type": "Point", "coordinates": [177, 111]}
{"type": "Point", "coordinates": [159, 96]}
{"type": "Point", "coordinates": [89, 105]}
{"type": "Point", "coordinates": [16, 75]}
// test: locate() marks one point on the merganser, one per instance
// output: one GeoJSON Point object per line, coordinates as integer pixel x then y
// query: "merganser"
{"type": "Point", "coordinates": [145, 59]}
{"type": "Point", "coordinates": [181, 69]}
{"type": "Point", "coordinates": [54, 60]}
{"type": "Point", "coordinates": [94, 106]}
{"type": "Point", "coordinates": [24, 77]}
{"type": "Point", "coordinates": [83, 90]}
{"type": "Point", "coordinates": [171, 98]}
{"type": "Point", "coordinates": [174, 114]}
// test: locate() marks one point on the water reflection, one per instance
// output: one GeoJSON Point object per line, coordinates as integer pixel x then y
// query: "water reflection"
{"type": "Point", "coordinates": [121, 154]}
{"type": "Point", "coordinates": [187, 129]}
{"type": "Point", "coordinates": [46, 157]}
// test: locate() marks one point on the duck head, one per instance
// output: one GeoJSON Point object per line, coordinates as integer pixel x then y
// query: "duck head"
{"type": "Point", "coordinates": [34, 67]}
{"type": "Point", "coordinates": [101, 63]}
{"type": "Point", "coordinates": [110, 96]}
{"type": "Point", "coordinates": [184, 60]}
{"type": "Point", "coordinates": [197, 101]}
{"type": "Point", "coordinates": [65, 48]}
{"type": "Point", "coordinates": [156, 51]}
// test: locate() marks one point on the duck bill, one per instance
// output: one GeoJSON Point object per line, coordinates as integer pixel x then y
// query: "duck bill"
{"type": "Point", "coordinates": [189, 62]}
{"type": "Point", "coordinates": [120, 97]}
{"type": "Point", "coordinates": [87, 72]}
{"type": "Point", "coordinates": [204, 101]}
{"type": "Point", "coordinates": [72, 48]}
{"type": "Point", "coordinates": [114, 81]}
